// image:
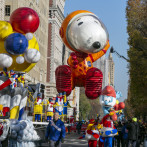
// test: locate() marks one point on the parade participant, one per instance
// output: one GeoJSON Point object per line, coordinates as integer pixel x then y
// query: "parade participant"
{"type": "Point", "coordinates": [92, 133]}
{"type": "Point", "coordinates": [78, 127]}
{"type": "Point", "coordinates": [49, 109]}
{"type": "Point", "coordinates": [108, 131]}
{"type": "Point", "coordinates": [21, 80]}
{"type": "Point", "coordinates": [13, 76]}
{"type": "Point", "coordinates": [38, 107]}
{"type": "Point", "coordinates": [55, 132]}
{"type": "Point", "coordinates": [59, 103]}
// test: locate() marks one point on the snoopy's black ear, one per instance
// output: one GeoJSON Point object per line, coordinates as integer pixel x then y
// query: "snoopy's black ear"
{"type": "Point", "coordinates": [61, 32]}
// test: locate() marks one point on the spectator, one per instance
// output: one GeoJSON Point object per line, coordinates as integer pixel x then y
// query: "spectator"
{"type": "Point", "coordinates": [69, 126]}
{"type": "Point", "coordinates": [133, 131]}
{"type": "Point", "coordinates": [124, 135]}
{"type": "Point", "coordinates": [142, 132]}
{"type": "Point", "coordinates": [78, 127]}
{"type": "Point", "coordinates": [55, 131]}
{"type": "Point", "coordinates": [119, 137]}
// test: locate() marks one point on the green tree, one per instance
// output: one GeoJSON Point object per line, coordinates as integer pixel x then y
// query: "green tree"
{"type": "Point", "coordinates": [84, 106]}
{"type": "Point", "coordinates": [136, 13]}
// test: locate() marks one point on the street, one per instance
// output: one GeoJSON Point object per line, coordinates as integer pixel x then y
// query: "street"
{"type": "Point", "coordinates": [71, 140]}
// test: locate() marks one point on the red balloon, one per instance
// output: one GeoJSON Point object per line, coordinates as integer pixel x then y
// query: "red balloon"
{"type": "Point", "coordinates": [24, 20]}
{"type": "Point", "coordinates": [114, 117]}
{"type": "Point", "coordinates": [121, 105]}
{"type": "Point", "coordinates": [116, 107]}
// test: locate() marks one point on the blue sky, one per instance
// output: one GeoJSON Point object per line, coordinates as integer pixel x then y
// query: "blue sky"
{"type": "Point", "coordinates": [113, 15]}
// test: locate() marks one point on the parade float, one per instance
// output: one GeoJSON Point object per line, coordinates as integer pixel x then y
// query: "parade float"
{"type": "Point", "coordinates": [19, 53]}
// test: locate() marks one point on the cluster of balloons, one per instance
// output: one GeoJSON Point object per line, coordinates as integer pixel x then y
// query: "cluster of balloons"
{"type": "Point", "coordinates": [19, 49]}
{"type": "Point", "coordinates": [24, 132]}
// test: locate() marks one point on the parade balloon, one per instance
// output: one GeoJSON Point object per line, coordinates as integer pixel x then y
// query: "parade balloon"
{"type": "Point", "coordinates": [84, 34]}
{"type": "Point", "coordinates": [16, 44]}
{"type": "Point", "coordinates": [24, 20]}
{"type": "Point", "coordinates": [121, 105]}
{"type": "Point", "coordinates": [5, 60]}
{"type": "Point", "coordinates": [32, 56]}
{"type": "Point", "coordinates": [20, 59]}
{"type": "Point", "coordinates": [116, 106]}
{"type": "Point", "coordinates": [5, 29]}
{"type": "Point", "coordinates": [29, 36]}
{"type": "Point", "coordinates": [114, 117]}
{"type": "Point", "coordinates": [117, 102]}
{"type": "Point", "coordinates": [24, 67]}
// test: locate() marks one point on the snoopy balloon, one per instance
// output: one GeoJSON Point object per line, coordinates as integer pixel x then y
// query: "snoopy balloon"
{"type": "Point", "coordinates": [84, 34]}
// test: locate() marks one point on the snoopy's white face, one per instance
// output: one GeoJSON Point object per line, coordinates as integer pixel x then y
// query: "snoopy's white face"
{"type": "Point", "coordinates": [107, 101]}
{"type": "Point", "coordinates": [87, 34]}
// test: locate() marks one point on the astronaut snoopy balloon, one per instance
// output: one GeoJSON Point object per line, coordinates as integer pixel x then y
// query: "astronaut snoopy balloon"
{"type": "Point", "coordinates": [84, 34]}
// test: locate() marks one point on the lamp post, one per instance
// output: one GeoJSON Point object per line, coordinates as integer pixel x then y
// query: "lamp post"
{"type": "Point", "coordinates": [120, 56]}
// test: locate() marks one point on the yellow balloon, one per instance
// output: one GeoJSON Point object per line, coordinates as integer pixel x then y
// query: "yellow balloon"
{"type": "Point", "coordinates": [24, 67]}
{"type": "Point", "coordinates": [117, 102]}
{"type": "Point", "coordinates": [5, 29]}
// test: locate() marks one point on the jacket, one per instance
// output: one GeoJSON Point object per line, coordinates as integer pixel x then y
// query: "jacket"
{"type": "Point", "coordinates": [133, 131]}
{"type": "Point", "coordinates": [125, 132]}
{"type": "Point", "coordinates": [56, 132]}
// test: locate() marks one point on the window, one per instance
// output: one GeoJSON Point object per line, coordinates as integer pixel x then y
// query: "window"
{"type": "Point", "coordinates": [7, 10]}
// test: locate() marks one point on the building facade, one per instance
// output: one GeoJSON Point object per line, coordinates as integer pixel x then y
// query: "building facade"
{"type": "Point", "coordinates": [38, 73]}
{"type": "Point", "coordinates": [103, 64]}
{"type": "Point", "coordinates": [58, 54]}
{"type": "Point", "coordinates": [111, 69]}
{"type": "Point", "coordinates": [55, 44]}
{"type": "Point", "coordinates": [2, 9]}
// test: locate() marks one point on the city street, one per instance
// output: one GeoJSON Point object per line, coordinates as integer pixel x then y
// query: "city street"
{"type": "Point", "coordinates": [72, 140]}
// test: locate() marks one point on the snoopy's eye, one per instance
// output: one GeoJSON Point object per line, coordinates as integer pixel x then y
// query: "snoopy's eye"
{"type": "Point", "coordinates": [80, 23]}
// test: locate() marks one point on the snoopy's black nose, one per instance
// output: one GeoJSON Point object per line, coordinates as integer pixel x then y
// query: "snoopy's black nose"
{"type": "Point", "coordinates": [96, 45]}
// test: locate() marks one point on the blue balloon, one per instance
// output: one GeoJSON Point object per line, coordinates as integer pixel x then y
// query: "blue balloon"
{"type": "Point", "coordinates": [16, 44]}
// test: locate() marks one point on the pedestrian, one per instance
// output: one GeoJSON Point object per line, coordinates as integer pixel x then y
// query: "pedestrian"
{"type": "Point", "coordinates": [78, 127]}
{"type": "Point", "coordinates": [119, 137]}
{"type": "Point", "coordinates": [124, 135]}
{"type": "Point", "coordinates": [133, 130]}
{"type": "Point", "coordinates": [55, 132]}
{"type": "Point", "coordinates": [69, 126]}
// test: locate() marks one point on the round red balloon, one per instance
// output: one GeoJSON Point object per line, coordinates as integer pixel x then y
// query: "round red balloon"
{"type": "Point", "coordinates": [116, 107]}
{"type": "Point", "coordinates": [114, 116]}
{"type": "Point", "coordinates": [24, 20]}
{"type": "Point", "coordinates": [121, 105]}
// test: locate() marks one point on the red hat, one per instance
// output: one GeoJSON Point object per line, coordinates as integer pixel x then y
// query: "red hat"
{"type": "Point", "coordinates": [91, 121]}
{"type": "Point", "coordinates": [109, 91]}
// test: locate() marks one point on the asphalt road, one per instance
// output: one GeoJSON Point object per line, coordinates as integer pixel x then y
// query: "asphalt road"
{"type": "Point", "coordinates": [71, 140]}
